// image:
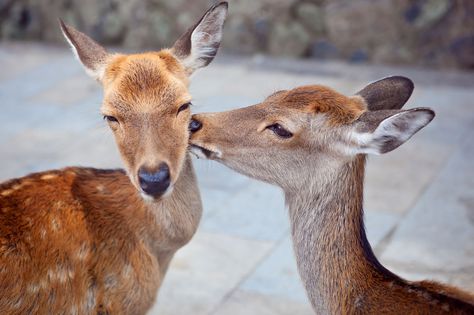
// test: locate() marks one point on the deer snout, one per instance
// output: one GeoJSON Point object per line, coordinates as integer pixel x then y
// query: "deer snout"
{"type": "Point", "coordinates": [195, 125]}
{"type": "Point", "coordinates": [154, 182]}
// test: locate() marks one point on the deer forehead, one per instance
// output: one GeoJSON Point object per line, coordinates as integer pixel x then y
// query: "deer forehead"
{"type": "Point", "coordinates": [145, 82]}
{"type": "Point", "coordinates": [315, 99]}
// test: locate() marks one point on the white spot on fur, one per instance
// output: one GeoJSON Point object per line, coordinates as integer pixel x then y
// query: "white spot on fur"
{"type": "Point", "coordinates": [48, 176]}
{"type": "Point", "coordinates": [28, 201]}
{"type": "Point", "coordinates": [43, 284]}
{"type": "Point", "coordinates": [51, 274]}
{"type": "Point", "coordinates": [33, 288]}
{"type": "Point", "coordinates": [60, 205]}
{"type": "Point", "coordinates": [90, 300]}
{"type": "Point", "coordinates": [17, 186]}
{"type": "Point", "coordinates": [110, 281]}
{"type": "Point", "coordinates": [55, 224]}
{"type": "Point", "coordinates": [7, 192]}
{"type": "Point", "coordinates": [359, 301]}
{"type": "Point", "coordinates": [83, 252]}
{"type": "Point", "coordinates": [100, 188]}
{"type": "Point", "coordinates": [18, 303]}
{"type": "Point", "coordinates": [43, 234]}
{"type": "Point", "coordinates": [127, 271]}
{"type": "Point", "coordinates": [61, 274]}
{"type": "Point", "coordinates": [74, 310]}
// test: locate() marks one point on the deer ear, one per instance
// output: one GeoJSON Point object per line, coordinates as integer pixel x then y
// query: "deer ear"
{"type": "Point", "coordinates": [383, 131]}
{"type": "Point", "coordinates": [198, 46]}
{"type": "Point", "coordinates": [92, 56]}
{"type": "Point", "coordinates": [388, 93]}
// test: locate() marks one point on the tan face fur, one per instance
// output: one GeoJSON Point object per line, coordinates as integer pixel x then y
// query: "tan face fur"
{"type": "Point", "coordinates": [146, 98]}
{"type": "Point", "coordinates": [145, 93]}
{"type": "Point", "coordinates": [315, 128]}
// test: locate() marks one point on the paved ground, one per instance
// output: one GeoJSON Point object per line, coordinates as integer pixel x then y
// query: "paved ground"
{"type": "Point", "coordinates": [419, 199]}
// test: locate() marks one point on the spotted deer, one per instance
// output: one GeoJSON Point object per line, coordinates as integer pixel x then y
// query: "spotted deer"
{"type": "Point", "coordinates": [312, 142]}
{"type": "Point", "coordinates": [90, 241]}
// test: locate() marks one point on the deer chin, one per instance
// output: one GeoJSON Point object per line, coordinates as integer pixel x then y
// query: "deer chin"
{"type": "Point", "coordinates": [205, 152]}
{"type": "Point", "coordinates": [151, 199]}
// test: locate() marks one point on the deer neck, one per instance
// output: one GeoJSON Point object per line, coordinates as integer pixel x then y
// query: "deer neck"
{"type": "Point", "coordinates": [332, 251]}
{"type": "Point", "coordinates": [173, 220]}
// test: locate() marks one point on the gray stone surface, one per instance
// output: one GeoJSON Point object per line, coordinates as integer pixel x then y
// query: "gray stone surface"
{"type": "Point", "coordinates": [251, 303]}
{"type": "Point", "coordinates": [209, 268]}
{"type": "Point", "coordinates": [277, 275]}
{"type": "Point", "coordinates": [419, 198]}
{"type": "Point", "coordinates": [256, 212]}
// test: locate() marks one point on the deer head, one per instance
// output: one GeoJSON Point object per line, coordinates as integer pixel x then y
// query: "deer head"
{"type": "Point", "coordinates": [308, 128]}
{"type": "Point", "coordinates": [146, 98]}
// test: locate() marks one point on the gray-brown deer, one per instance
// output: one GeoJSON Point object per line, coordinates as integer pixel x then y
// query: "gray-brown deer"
{"type": "Point", "coordinates": [89, 241]}
{"type": "Point", "coordinates": [312, 142]}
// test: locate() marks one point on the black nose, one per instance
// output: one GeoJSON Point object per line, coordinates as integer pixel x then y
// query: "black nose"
{"type": "Point", "coordinates": [154, 183]}
{"type": "Point", "coordinates": [195, 125]}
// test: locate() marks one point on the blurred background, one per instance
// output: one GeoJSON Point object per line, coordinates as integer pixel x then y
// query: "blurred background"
{"type": "Point", "coordinates": [436, 33]}
{"type": "Point", "coordinates": [419, 199]}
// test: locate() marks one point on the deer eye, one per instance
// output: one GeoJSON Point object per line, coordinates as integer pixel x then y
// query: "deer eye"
{"type": "Point", "coordinates": [184, 107]}
{"type": "Point", "coordinates": [280, 131]}
{"type": "Point", "coordinates": [111, 119]}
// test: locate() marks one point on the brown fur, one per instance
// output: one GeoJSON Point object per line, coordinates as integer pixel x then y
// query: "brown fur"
{"type": "Point", "coordinates": [322, 177]}
{"type": "Point", "coordinates": [92, 245]}
{"type": "Point", "coordinates": [84, 241]}
{"type": "Point", "coordinates": [340, 109]}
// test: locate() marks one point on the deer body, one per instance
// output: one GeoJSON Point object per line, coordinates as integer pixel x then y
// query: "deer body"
{"type": "Point", "coordinates": [312, 142]}
{"type": "Point", "coordinates": [94, 246]}
{"type": "Point", "coordinates": [87, 241]}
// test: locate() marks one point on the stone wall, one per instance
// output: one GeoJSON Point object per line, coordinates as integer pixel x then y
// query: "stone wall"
{"type": "Point", "coordinates": [423, 32]}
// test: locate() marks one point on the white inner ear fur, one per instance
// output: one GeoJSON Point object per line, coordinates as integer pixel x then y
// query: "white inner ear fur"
{"type": "Point", "coordinates": [97, 73]}
{"type": "Point", "coordinates": [399, 128]}
{"type": "Point", "coordinates": [203, 43]}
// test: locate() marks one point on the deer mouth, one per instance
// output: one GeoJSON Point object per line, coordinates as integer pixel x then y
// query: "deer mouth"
{"type": "Point", "coordinates": [206, 153]}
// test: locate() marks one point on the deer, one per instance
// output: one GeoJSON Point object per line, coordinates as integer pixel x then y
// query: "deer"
{"type": "Point", "coordinates": [92, 241]}
{"type": "Point", "coordinates": [312, 142]}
